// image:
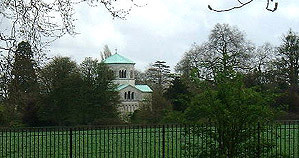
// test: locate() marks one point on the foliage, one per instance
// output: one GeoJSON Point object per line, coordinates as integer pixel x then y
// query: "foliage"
{"type": "Point", "coordinates": [289, 59]}
{"type": "Point", "coordinates": [178, 94]}
{"type": "Point", "coordinates": [140, 77]}
{"type": "Point", "coordinates": [152, 112]}
{"type": "Point", "coordinates": [2, 115]}
{"type": "Point", "coordinates": [158, 75]}
{"type": "Point", "coordinates": [232, 109]}
{"type": "Point", "coordinates": [23, 88]}
{"type": "Point", "coordinates": [100, 94]}
{"type": "Point", "coordinates": [61, 92]}
{"type": "Point", "coordinates": [78, 95]}
{"type": "Point", "coordinates": [286, 68]}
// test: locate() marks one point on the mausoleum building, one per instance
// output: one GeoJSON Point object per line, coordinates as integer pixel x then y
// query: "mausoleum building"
{"type": "Point", "coordinates": [131, 95]}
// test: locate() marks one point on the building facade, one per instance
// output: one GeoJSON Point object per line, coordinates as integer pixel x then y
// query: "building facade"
{"type": "Point", "coordinates": [132, 96]}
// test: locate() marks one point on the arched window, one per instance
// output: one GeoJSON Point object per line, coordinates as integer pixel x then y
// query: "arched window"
{"type": "Point", "coordinates": [129, 95]}
{"type": "Point", "coordinates": [125, 95]}
{"type": "Point", "coordinates": [120, 74]}
{"type": "Point", "coordinates": [132, 95]}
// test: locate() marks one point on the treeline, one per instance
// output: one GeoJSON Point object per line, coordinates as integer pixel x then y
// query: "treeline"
{"type": "Point", "coordinates": [59, 92]}
{"type": "Point", "coordinates": [226, 71]}
{"type": "Point", "coordinates": [225, 79]}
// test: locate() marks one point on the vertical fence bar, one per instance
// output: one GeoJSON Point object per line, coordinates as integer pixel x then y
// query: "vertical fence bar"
{"type": "Point", "coordinates": [71, 143]}
{"type": "Point", "coordinates": [163, 141]}
{"type": "Point", "coordinates": [258, 140]}
{"type": "Point", "coordinates": [2, 143]}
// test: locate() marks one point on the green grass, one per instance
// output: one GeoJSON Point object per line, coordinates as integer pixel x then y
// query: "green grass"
{"type": "Point", "coordinates": [123, 142]}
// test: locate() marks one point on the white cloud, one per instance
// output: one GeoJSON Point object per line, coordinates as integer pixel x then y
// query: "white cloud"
{"type": "Point", "coordinates": [290, 11]}
{"type": "Point", "coordinates": [165, 29]}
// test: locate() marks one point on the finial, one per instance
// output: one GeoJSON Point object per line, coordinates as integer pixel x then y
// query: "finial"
{"type": "Point", "coordinates": [115, 50]}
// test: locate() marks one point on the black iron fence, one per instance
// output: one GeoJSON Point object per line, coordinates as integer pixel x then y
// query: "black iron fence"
{"type": "Point", "coordinates": [135, 141]}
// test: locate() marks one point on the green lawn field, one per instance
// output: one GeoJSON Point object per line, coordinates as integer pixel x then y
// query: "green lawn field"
{"type": "Point", "coordinates": [118, 142]}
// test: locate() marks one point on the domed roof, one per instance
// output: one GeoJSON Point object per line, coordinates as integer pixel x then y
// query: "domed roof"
{"type": "Point", "coordinates": [118, 59]}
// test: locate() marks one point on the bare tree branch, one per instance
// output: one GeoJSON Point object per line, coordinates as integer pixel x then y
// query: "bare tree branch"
{"type": "Point", "coordinates": [40, 22]}
{"type": "Point", "coordinates": [242, 4]}
{"type": "Point", "coordinates": [275, 7]}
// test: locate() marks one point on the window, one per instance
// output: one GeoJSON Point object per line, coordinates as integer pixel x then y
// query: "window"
{"type": "Point", "coordinates": [122, 74]}
{"type": "Point", "coordinates": [129, 95]}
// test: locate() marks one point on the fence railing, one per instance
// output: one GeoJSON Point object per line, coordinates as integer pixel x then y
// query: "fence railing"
{"type": "Point", "coordinates": [135, 141]}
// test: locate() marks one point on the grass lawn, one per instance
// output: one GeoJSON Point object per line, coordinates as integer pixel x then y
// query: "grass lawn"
{"type": "Point", "coordinates": [122, 142]}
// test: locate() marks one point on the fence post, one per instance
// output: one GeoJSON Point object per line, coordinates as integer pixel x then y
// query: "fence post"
{"type": "Point", "coordinates": [71, 142]}
{"type": "Point", "coordinates": [163, 141]}
{"type": "Point", "coordinates": [258, 140]}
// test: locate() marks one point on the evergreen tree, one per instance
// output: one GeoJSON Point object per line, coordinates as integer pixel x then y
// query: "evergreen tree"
{"type": "Point", "coordinates": [23, 89]}
{"type": "Point", "coordinates": [287, 68]}
{"type": "Point", "coordinates": [158, 75]}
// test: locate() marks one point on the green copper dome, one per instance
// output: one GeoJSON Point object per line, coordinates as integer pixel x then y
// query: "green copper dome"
{"type": "Point", "coordinates": [118, 59]}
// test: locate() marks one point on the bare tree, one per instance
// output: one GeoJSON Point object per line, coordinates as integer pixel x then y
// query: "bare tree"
{"type": "Point", "coordinates": [106, 52]}
{"type": "Point", "coordinates": [241, 4]}
{"type": "Point", "coordinates": [226, 50]}
{"type": "Point", "coordinates": [40, 22]}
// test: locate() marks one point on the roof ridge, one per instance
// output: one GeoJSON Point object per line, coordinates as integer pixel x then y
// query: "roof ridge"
{"type": "Point", "coordinates": [118, 59]}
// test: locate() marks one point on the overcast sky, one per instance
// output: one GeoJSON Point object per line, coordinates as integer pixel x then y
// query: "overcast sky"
{"type": "Point", "coordinates": [165, 29]}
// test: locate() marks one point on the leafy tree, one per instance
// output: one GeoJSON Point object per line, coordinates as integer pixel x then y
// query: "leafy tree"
{"type": "Point", "coordinates": [234, 112]}
{"type": "Point", "coordinates": [62, 85]}
{"type": "Point", "coordinates": [152, 112]}
{"type": "Point", "coordinates": [23, 89]}
{"type": "Point", "coordinates": [100, 94]}
{"type": "Point", "coordinates": [2, 119]}
{"type": "Point", "coordinates": [78, 95]}
{"type": "Point", "coordinates": [226, 50]}
{"type": "Point", "coordinates": [178, 94]}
